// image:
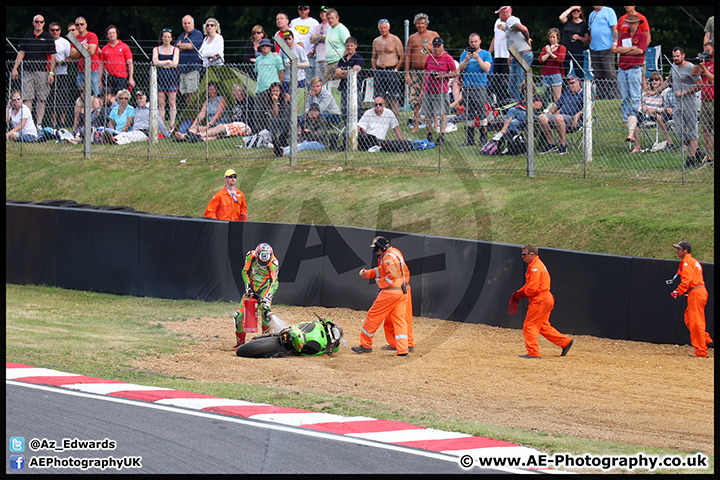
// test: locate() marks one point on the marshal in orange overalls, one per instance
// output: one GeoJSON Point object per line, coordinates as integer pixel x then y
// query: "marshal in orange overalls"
{"type": "Point", "coordinates": [389, 331]}
{"type": "Point", "coordinates": [537, 320]}
{"type": "Point", "coordinates": [390, 303]}
{"type": "Point", "coordinates": [692, 283]}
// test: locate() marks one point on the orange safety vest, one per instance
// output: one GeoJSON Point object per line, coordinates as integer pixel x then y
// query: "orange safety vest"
{"type": "Point", "coordinates": [223, 206]}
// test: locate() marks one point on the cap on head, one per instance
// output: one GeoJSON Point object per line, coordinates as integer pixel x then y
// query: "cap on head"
{"type": "Point", "coordinates": [633, 19]}
{"type": "Point", "coordinates": [684, 245]}
{"type": "Point", "coordinates": [229, 172]}
{"type": "Point", "coordinates": [314, 106]}
{"type": "Point", "coordinates": [287, 34]}
{"type": "Point", "coordinates": [503, 8]}
{"type": "Point", "coordinates": [380, 243]}
{"type": "Point", "coordinates": [437, 41]}
{"type": "Point", "coordinates": [265, 42]}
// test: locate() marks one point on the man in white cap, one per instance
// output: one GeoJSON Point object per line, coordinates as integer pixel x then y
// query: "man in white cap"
{"type": "Point", "coordinates": [228, 203]}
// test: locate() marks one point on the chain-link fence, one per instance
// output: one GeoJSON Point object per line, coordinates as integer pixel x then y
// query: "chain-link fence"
{"type": "Point", "coordinates": [221, 116]}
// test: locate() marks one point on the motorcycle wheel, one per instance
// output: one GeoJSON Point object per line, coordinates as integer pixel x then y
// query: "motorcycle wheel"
{"type": "Point", "coordinates": [262, 347]}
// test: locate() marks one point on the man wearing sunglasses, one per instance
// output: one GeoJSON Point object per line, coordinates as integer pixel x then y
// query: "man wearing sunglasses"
{"type": "Point", "coordinates": [37, 56]}
{"type": "Point", "coordinates": [228, 203]}
{"type": "Point", "coordinates": [374, 124]}
{"type": "Point", "coordinates": [541, 303]}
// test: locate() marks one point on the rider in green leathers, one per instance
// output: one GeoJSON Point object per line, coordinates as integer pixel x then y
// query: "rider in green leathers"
{"type": "Point", "coordinates": [260, 277]}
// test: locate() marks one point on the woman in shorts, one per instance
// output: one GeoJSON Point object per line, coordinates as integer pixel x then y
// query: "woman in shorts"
{"type": "Point", "coordinates": [166, 58]}
{"type": "Point", "coordinates": [552, 58]}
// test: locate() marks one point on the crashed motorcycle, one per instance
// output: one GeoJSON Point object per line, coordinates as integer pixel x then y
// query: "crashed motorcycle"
{"type": "Point", "coordinates": [316, 337]}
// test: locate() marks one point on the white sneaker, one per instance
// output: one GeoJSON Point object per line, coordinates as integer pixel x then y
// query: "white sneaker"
{"type": "Point", "coordinates": [497, 136]}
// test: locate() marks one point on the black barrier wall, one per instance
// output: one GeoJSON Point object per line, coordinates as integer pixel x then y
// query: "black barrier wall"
{"type": "Point", "coordinates": [140, 254]}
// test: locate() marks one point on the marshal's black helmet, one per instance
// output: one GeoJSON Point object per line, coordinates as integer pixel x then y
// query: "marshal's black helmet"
{"type": "Point", "coordinates": [380, 243]}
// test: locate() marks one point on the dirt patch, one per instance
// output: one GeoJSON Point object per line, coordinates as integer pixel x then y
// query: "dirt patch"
{"type": "Point", "coordinates": [630, 392]}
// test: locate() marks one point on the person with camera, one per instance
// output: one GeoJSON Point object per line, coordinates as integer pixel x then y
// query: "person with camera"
{"type": "Point", "coordinates": [475, 63]}
{"type": "Point", "coordinates": [706, 69]}
{"type": "Point", "coordinates": [440, 67]}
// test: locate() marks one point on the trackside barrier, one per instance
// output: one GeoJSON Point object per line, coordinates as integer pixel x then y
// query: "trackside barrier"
{"type": "Point", "coordinates": [141, 254]}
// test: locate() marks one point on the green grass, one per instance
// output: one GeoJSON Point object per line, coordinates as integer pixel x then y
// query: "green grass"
{"type": "Point", "coordinates": [100, 334]}
{"type": "Point", "coordinates": [599, 215]}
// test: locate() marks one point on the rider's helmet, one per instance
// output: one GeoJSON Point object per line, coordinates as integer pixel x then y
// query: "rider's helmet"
{"type": "Point", "coordinates": [263, 254]}
{"type": "Point", "coordinates": [380, 243]}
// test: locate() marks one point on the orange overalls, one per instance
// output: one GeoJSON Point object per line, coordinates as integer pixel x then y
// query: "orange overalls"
{"type": "Point", "coordinates": [389, 331]}
{"type": "Point", "coordinates": [224, 206]}
{"type": "Point", "coordinates": [390, 303]}
{"type": "Point", "coordinates": [693, 284]}
{"type": "Point", "coordinates": [537, 320]}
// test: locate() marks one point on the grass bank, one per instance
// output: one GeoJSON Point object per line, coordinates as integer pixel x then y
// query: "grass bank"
{"type": "Point", "coordinates": [598, 215]}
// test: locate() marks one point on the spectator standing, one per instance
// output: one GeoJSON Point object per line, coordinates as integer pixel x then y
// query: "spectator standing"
{"type": "Point", "coordinates": [283, 23]}
{"type": "Point", "coordinates": [268, 67]}
{"type": "Point", "coordinates": [501, 62]}
{"type": "Point", "coordinates": [89, 40]}
{"type": "Point", "coordinates": [475, 63]}
{"type": "Point", "coordinates": [303, 63]}
{"type": "Point", "coordinates": [62, 86]}
{"type": "Point", "coordinates": [566, 112]}
{"type": "Point", "coordinates": [212, 51]}
{"type": "Point", "coordinates": [631, 47]}
{"type": "Point", "coordinates": [189, 42]}
{"type": "Point", "coordinates": [19, 115]}
{"type": "Point", "coordinates": [441, 67]}
{"type": "Point", "coordinates": [624, 25]}
{"type": "Point", "coordinates": [335, 40]}
{"type": "Point", "coordinates": [416, 53]}
{"type": "Point", "coordinates": [685, 85]}
{"type": "Point", "coordinates": [36, 53]}
{"type": "Point", "coordinates": [709, 30]}
{"type": "Point", "coordinates": [317, 38]}
{"type": "Point", "coordinates": [692, 284]}
{"type": "Point", "coordinates": [540, 304]}
{"type": "Point", "coordinates": [116, 63]}
{"type": "Point", "coordinates": [229, 203]}
{"type": "Point", "coordinates": [391, 303]}
{"type": "Point", "coordinates": [552, 58]}
{"type": "Point", "coordinates": [603, 35]}
{"type": "Point", "coordinates": [251, 51]}
{"type": "Point", "coordinates": [706, 70]}
{"type": "Point", "coordinates": [518, 36]}
{"type": "Point", "coordinates": [166, 58]}
{"type": "Point", "coordinates": [575, 35]}
{"type": "Point", "coordinates": [350, 61]}
{"type": "Point", "coordinates": [303, 25]}
{"type": "Point", "coordinates": [387, 60]}
{"type": "Point", "coordinates": [374, 124]}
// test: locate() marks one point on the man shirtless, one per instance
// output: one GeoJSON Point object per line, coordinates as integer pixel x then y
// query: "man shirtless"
{"type": "Point", "coordinates": [418, 47]}
{"type": "Point", "coordinates": [387, 59]}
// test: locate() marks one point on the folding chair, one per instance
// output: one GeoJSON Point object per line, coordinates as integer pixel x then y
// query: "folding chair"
{"type": "Point", "coordinates": [653, 61]}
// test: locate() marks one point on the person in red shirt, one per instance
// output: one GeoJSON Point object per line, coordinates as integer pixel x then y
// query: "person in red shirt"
{"type": "Point", "coordinates": [692, 284]}
{"type": "Point", "coordinates": [90, 41]}
{"type": "Point", "coordinates": [441, 67]}
{"type": "Point", "coordinates": [390, 303]}
{"type": "Point", "coordinates": [552, 58]}
{"type": "Point", "coordinates": [623, 26]}
{"type": "Point", "coordinates": [706, 70]}
{"type": "Point", "coordinates": [541, 303]}
{"type": "Point", "coordinates": [631, 46]}
{"type": "Point", "coordinates": [228, 203]}
{"type": "Point", "coordinates": [117, 63]}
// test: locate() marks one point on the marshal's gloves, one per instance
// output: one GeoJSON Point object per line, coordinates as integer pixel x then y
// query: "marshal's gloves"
{"type": "Point", "coordinates": [514, 300]}
{"type": "Point", "coordinates": [248, 290]}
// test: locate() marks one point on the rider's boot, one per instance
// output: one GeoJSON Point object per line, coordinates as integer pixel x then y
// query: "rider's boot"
{"type": "Point", "coordinates": [240, 338]}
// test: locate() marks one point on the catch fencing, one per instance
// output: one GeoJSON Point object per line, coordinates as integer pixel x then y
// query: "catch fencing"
{"type": "Point", "coordinates": [597, 146]}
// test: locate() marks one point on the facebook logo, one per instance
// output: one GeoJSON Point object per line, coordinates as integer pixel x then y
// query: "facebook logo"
{"type": "Point", "coordinates": [17, 462]}
{"type": "Point", "coordinates": [17, 444]}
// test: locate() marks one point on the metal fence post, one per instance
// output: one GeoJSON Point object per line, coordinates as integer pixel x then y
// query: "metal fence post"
{"type": "Point", "coordinates": [587, 123]}
{"type": "Point", "coordinates": [293, 97]}
{"type": "Point", "coordinates": [88, 92]}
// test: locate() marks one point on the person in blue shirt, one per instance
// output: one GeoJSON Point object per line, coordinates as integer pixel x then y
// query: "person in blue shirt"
{"type": "Point", "coordinates": [603, 23]}
{"type": "Point", "coordinates": [566, 112]}
{"type": "Point", "coordinates": [475, 63]}
{"type": "Point", "coordinates": [189, 63]}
